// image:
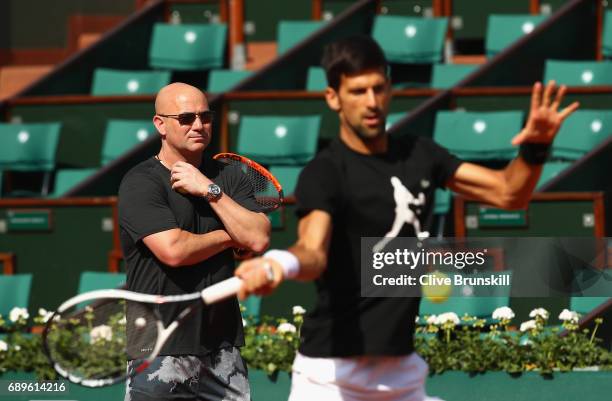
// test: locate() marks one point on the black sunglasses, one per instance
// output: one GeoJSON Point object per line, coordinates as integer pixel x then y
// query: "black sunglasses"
{"type": "Point", "coordinates": [206, 117]}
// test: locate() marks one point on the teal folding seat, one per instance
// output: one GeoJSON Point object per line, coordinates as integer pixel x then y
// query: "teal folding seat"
{"type": "Point", "coordinates": [290, 33]}
{"type": "Point", "coordinates": [123, 82]}
{"type": "Point", "coordinates": [479, 135]}
{"type": "Point", "coordinates": [29, 147]}
{"type": "Point", "coordinates": [252, 307]}
{"type": "Point", "coordinates": [579, 73]}
{"type": "Point", "coordinates": [278, 140]}
{"type": "Point", "coordinates": [504, 29]}
{"type": "Point", "coordinates": [225, 80]}
{"type": "Point", "coordinates": [123, 135]}
{"type": "Point", "coordinates": [607, 35]}
{"type": "Point", "coordinates": [409, 39]}
{"type": "Point", "coordinates": [188, 46]}
{"type": "Point", "coordinates": [550, 171]}
{"type": "Point", "coordinates": [445, 76]}
{"type": "Point", "coordinates": [287, 176]}
{"type": "Point", "coordinates": [581, 132]}
{"type": "Point", "coordinates": [476, 301]}
{"type": "Point", "coordinates": [393, 118]}
{"type": "Point", "coordinates": [442, 201]}
{"type": "Point", "coordinates": [66, 179]}
{"type": "Point", "coordinates": [14, 292]}
{"type": "Point", "coordinates": [593, 287]}
{"type": "Point", "coordinates": [316, 80]}
{"type": "Point", "coordinates": [90, 281]}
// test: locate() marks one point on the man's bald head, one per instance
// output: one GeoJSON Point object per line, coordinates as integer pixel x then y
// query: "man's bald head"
{"type": "Point", "coordinates": [170, 96]}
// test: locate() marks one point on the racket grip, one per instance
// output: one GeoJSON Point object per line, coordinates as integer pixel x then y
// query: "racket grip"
{"type": "Point", "coordinates": [221, 290]}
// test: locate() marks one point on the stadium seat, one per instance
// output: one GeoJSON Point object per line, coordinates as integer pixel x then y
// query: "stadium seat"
{"type": "Point", "coordinates": [550, 171]}
{"type": "Point", "coordinates": [591, 285]}
{"type": "Point", "coordinates": [225, 80]}
{"type": "Point", "coordinates": [188, 46]}
{"type": "Point", "coordinates": [290, 33]}
{"type": "Point", "coordinates": [120, 82]}
{"type": "Point", "coordinates": [278, 140]}
{"type": "Point", "coordinates": [316, 80]}
{"type": "Point", "coordinates": [607, 35]}
{"type": "Point", "coordinates": [29, 147]}
{"type": "Point", "coordinates": [409, 39]}
{"type": "Point", "coordinates": [392, 118]}
{"type": "Point", "coordinates": [581, 132]}
{"type": "Point", "coordinates": [579, 73]}
{"type": "Point", "coordinates": [445, 76]}
{"type": "Point", "coordinates": [477, 301]}
{"type": "Point", "coordinates": [66, 179]}
{"type": "Point", "coordinates": [287, 176]}
{"type": "Point", "coordinates": [14, 292]}
{"type": "Point", "coordinates": [90, 281]}
{"type": "Point", "coordinates": [122, 135]}
{"type": "Point", "coordinates": [478, 135]}
{"type": "Point", "coordinates": [252, 306]}
{"type": "Point", "coordinates": [442, 201]}
{"type": "Point", "coordinates": [503, 30]}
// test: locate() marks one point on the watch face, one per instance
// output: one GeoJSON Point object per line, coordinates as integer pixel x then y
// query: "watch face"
{"type": "Point", "coordinates": [214, 190]}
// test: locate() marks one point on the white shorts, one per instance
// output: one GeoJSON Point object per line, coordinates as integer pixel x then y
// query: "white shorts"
{"type": "Point", "coordinates": [359, 379]}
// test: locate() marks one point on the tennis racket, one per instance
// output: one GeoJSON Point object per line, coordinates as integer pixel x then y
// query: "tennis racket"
{"type": "Point", "coordinates": [86, 339]}
{"type": "Point", "coordinates": [268, 191]}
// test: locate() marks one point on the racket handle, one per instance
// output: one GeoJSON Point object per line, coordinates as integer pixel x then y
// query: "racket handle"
{"type": "Point", "coordinates": [221, 290]}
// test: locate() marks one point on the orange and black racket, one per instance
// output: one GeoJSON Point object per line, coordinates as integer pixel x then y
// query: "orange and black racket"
{"type": "Point", "coordinates": [267, 189]}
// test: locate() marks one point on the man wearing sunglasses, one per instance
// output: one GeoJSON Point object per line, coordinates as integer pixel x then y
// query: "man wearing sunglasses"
{"type": "Point", "coordinates": [180, 215]}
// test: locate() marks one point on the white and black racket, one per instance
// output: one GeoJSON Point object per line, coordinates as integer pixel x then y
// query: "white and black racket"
{"type": "Point", "coordinates": [87, 338]}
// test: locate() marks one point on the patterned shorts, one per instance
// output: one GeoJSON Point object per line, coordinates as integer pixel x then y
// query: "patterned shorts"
{"type": "Point", "coordinates": [219, 376]}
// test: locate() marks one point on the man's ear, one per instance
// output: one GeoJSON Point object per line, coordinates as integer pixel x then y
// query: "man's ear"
{"type": "Point", "coordinates": [333, 101]}
{"type": "Point", "coordinates": [160, 125]}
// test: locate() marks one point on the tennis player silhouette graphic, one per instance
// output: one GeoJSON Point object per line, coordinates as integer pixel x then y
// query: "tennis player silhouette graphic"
{"type": "Point", "coordinates": [403, 214]}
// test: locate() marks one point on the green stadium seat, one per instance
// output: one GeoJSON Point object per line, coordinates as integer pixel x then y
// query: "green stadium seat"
{"type": "Point", "coordinates": [287, 176]}
{"type": "Point", "coordinates": [66, 179]}
{"type": "Point", "coordinates": [120, 82]}
{"type": "Point", "coordinates": [477, 301]}
{"type": "Point", "coordinates": [188, 46]}
{"type": "Point", "coordinates": [579, 73]}
{"type": "Point", "coordinates": [607, 35]}
{"type": "Point", "coordinates": [316, 80]}
{"type": "Point", "coordinates": [14, 292]}
{"type": "Point", "coordinates": [29, 147]}
{"type": "Point", "coordinates": [252, 307]}
{"type": "Point", "coordinates": [550, 171]}
{"type": "Point", "coordinates": [504, 29]}
{"type": "Point", "coordinates": [445, 76]}
{"type": "Point", "coordinates": [290, 33]}
{"type": "Point", "coordinates": [225, 80]}
{"type": "Point", "coordinates": [581, 132]}
{"type": "Point", "coordinates": [592, 285]}
{"type": "Point", "coordinates": [409, 39]}
{"type": "Point", "coordinates": [479, 135]}
{"type": "Point", "coordinates": [90, 281]}
{"type": "Point", "coordinates": [442, 201]}
{"type": "Point", "coordinates": [123, 135]}
{"type": "Point", "coordinates": [279, 140]}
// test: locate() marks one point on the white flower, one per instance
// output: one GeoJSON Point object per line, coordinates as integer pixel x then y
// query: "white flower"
{"type": "Point", "coordinates": [122, 321]}
{"type": "Point", "coordinates": [17, 347]}
{"type": "Point", "coordinates": [45, 314]}
{"type": "Point", "coordinates": [539, 312]}
{"type": "Point", "coordinates": [448, 317]}
{"type": "Point", "coordinates": [102, 332]}
{"type": "Point", "coordinates": [503, 313]}
{"type": "Point", "coordinates": [416, 319]}
{"type": "Point", "coordinates": [298, 310]}
{"type": "Point", "coordinates": [433, 319]}
{"type": "Point", "coordinates": [286, 328]}
{"type": "Point", "coordinates": [528, 325]}
{"type": "Point", "coordinates": [569, 316]}
{"type": "Point", "coordinates": [18, 313]}
{"type": "Point", "coordinates": [3, 346]}
{"type": "Point", "coordinates": [244, 323]}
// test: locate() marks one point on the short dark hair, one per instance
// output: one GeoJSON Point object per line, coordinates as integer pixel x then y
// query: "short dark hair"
{"type": "Point", "coordinates": [350, 56]}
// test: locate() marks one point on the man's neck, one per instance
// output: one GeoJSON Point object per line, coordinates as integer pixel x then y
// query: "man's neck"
{"type": "Point", "coordinates": [168, 157]}
{"type": "Point", "coordinates": [364, 146]}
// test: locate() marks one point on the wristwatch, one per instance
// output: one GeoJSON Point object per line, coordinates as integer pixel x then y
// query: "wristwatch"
{"type": "Point", "coordinates": [214, 193]}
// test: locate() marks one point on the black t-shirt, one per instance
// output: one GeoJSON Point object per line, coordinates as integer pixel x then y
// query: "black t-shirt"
{"type": "Point", "coordinates": [356, 190]}
{"type": "Point", "coordinates": [147, 205]}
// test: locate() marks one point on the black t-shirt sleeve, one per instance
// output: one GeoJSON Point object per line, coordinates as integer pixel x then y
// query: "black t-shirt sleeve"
{"type": "Point", "coordinates": [143, 207]}
{"type": "Point", "coordinates": [445, 164]}
{"type": "Point", "coordinates": [240, 189]}
{"type": "Point", "coordinates": [318, 187]}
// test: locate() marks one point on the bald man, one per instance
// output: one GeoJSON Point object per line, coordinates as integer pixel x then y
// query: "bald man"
{"type": "Point", "coordinates": [180, 215]}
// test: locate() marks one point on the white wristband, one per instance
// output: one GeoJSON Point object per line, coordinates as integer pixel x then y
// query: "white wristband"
{"type": "Point", "coordinates": [288, 261]}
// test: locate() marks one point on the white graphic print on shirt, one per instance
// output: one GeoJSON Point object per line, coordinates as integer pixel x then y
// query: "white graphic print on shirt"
{"type": "Point", "coordinates": [403, 214]}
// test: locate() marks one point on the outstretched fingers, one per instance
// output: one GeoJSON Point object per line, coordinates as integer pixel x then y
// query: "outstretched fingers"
{"type": "Point", "coordinates": [568, 110]}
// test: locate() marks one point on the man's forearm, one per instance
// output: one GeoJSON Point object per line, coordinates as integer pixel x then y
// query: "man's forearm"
{"type": "Point", "coordinates": [520, 180]}
{"type": "Point", "coordinates": [188, 248]}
